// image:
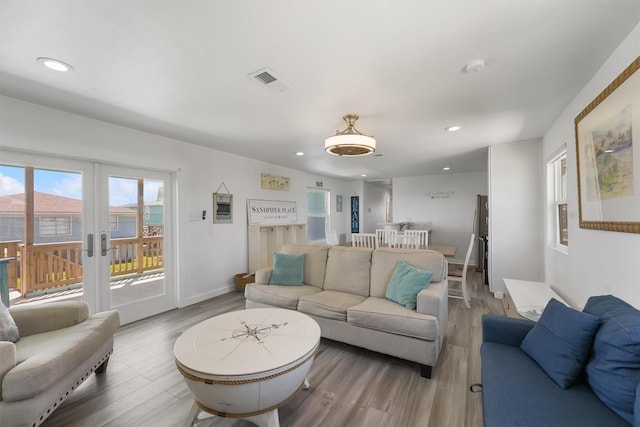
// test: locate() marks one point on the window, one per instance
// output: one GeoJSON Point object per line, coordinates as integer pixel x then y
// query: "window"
{"type": "Point", "coordinates": [55, 226]}
{"type": "Point", "coordinates": [317, 214]}
{"type": "Point", "coordinates": [113, 222]}
{"type": "Point", "coordinates": [557, 168]}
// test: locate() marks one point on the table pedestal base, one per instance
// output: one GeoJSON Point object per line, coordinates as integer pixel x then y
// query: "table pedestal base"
{"type": "Point", "coordinates": [268, 419]}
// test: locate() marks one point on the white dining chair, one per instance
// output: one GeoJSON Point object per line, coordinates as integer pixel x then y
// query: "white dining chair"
{"type": "Point", "coordinates": [408, 241]}
{"type": "Point", "coordinates": [463, 292]}
{"type": "Point", "coordinates": [386, 238]}
{"type": "Point", "coordinates": [423, 236]}
{"type": "Point", "coordinates": [363, 240]}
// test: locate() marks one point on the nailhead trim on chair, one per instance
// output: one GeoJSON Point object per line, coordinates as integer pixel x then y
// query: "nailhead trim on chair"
{"type": "Point", "coordinates": [61, 399]}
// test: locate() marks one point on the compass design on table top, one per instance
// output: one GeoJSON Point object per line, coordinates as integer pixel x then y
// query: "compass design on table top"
{"type": "Point", "coordinates": [253, 333]}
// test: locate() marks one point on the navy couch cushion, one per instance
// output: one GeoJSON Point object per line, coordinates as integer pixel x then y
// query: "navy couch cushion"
{"type": "Point", "coordinates": [613, 371]}
{"type": "Point", "coordinates": [517, 393]}
{"type": "Point", "coordinates": [560, 342]}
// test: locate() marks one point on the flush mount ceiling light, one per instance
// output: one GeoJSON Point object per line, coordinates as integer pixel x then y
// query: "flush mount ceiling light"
{"type": "Point", "coordinates": [454, 128]}
{"type": "Point", "coordinates": [54, 64]}
{"type": "Point", "coordinates": [350, 142]}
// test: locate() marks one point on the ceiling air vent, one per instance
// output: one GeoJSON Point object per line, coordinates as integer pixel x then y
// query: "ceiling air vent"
{"type": "Point", "coordinates": [267, 78]}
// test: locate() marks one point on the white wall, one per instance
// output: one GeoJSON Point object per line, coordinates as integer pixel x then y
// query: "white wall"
{"type": "Point", "coordinates": [209, 254]}
{"type": "Point", "coordinates": [373, 208]}
{"type": "Point", "coordinates": [446, 200]}
{"type": "Point", "coordinates": [515, 218]}
{"type": "Point", "coordinates": [598, 262]}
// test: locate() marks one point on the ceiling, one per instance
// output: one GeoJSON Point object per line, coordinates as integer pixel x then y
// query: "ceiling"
{"type": "Point", "coordinates": [179, 69]}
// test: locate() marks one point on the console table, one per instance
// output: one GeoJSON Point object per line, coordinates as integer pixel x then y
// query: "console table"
{"type": "Point", "coordinates": [530, 298]}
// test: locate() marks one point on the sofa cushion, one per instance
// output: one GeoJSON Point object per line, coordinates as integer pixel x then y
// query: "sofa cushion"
{"type": "Point", "coordinates": [278, 296]}
{"type": "Point", "coordinates": [329, 304]}
{"type": "Point", "coordinates": [315, 261]}
{"type": "Point", "coordinates": [405, 284]}
{"type": "Point", "coordinates": [348, 270]}
{"type": "Point", "coordinates": [8, 329]}
{"type": "Point", "coordinates": [288, 270]}
{"type": "Point", "coordinates": [560, 341]}
{"type": "Point", "coordinates": [614, 369]}
{"type": "Point", "coordinates": [387, 316]}
{"type": "Point", "coordinates": [517, 392]}
{"type": "Point", "coordinates": [384, 261]}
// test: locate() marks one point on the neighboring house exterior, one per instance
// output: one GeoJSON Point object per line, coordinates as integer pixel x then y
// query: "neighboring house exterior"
{"type": "Point", "coordinates": [57, 219]}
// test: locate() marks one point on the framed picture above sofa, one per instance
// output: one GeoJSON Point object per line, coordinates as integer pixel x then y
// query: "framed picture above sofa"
{"type": "Point", "coordinates": [608, 163]}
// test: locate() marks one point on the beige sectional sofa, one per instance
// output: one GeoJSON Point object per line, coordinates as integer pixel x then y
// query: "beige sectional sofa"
{"type": "Point", "coordinates": [344, 291]}
{"type": "Point", "coordinates": [60, 345]}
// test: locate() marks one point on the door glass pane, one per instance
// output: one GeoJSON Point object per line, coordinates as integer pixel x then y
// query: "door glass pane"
{"type": "Point", "coordinates": [136, 231]}
{"type": "Point", "coordinates": [41, 234]}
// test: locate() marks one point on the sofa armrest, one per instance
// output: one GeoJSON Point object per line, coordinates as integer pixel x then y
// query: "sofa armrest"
{"type": "Point", "coordinates": [430, 299]}
{"type": "Point", "coordinates": [49, 317]}
{"type": "Point", "coordinates": [263, 275]}
{"type": "Point", "coordinates": [7, 360]}
{"type": "Point", "coordinates": [505, 330]}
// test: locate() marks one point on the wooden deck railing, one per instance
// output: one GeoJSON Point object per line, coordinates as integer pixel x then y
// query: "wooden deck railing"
{"type": "Point", "coordinates": [52, 265]}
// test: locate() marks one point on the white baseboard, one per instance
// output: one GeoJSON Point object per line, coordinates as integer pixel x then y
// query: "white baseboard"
{"type": "Point", "coordinates": [499, 295]}
{"type": "Point", "coordinates": [208, 295]}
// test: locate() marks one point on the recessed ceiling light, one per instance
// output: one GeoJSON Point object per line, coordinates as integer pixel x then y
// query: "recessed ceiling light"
{"type": "Point", "coordinates": [453, 128]}
{"type": "Point", "coordinates": [364, 174]}
{"type": "Point", "coordinates": [54, 64]}
{"type": "Point", "coordinates": [446, 168]}
{"type": "Point", "coordinates": [299, 153]}
{"type": "Point", "coordinates": [474, 66]}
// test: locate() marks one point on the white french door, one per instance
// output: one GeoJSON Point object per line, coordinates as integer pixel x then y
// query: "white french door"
{"type": "Point", "coordinates": [105, 228]}
{"type": "Point", "coordinates": [135, 222]}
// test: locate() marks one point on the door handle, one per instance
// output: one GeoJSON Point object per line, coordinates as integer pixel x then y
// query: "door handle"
{"type": "Point", "coordinates": [90, 245]}
{"type": "Point", "coordinates": [103, 244]}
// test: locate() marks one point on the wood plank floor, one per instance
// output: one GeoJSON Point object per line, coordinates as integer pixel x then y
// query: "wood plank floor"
{"type": "Point", "coordinates": [349, 386]}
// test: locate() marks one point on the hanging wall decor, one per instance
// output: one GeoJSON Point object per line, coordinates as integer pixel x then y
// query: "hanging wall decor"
{"type": "Point", "coordinates": [608, 163]}
{"type": "Point", "coordinates": [274, 182]}
{"type": "Point", "coordinates": [222, 206]}
{"type": "Point", "coordinates": [355, 214]}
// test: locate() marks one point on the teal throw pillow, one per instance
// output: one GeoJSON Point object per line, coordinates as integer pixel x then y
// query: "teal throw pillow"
{"type": "Point", "coordinates": [560, 342]}
{"type": "Point", "coordinates": [405, 284]}
{"type": "Point", "coordinates": [287, 270]}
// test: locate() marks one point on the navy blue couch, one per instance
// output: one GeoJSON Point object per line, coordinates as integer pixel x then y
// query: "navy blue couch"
{"type": "Point", "coordinates": [516, 391]}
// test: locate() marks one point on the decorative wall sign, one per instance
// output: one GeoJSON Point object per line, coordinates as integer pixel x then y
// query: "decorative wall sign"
{"type": "Point", "coordinates": [608, 165]}
{"type": "Point", "coordinates": [338, 203]}
{"type": "Point", "coordinates": [222, 208]}
{"type": "Point", "coordinates": [274, 182]}
{"type": "Point", "coordinates": [439, 195]}
{"type": "Point", "coordinates": [355, 214]}
{"type": "Point", "coordinates": [271, 212]}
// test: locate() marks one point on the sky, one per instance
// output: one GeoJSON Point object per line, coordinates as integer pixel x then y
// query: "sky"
{"type": "Point", "coordinates": [122, 191]}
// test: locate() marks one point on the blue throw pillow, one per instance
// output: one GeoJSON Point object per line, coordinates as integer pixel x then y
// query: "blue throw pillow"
{"type": "Point", "coordinates": [287, 270]}
{"type": "Point", "coordinates": [560, 342]}
{"type": "Point", "coordinates": [614, 369]}
{"type": "Point", "coordinates": [405, 284]}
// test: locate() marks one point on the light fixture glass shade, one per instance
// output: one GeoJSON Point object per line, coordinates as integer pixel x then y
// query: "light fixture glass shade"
{"type": "Point", "coordinates": [350, 142]}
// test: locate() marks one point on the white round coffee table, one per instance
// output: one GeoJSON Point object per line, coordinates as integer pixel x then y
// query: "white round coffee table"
{"type": "Point", "coordinates": [247, 363]}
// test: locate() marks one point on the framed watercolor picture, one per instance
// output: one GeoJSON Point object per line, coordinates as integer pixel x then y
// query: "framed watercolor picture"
{"type": "Point", "coordinates": [608, 156]}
